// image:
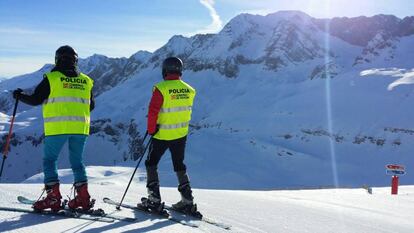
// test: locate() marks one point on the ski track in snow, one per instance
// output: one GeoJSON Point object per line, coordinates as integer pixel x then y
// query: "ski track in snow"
{"type": "Point", "coordinates": [323, 210]}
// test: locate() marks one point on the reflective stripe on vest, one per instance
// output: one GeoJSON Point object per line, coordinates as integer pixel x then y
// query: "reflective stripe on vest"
{"type": "Point", "coordinates": [173, 126]}
{"type": "Point", "coordinates": [175, 109]}
{"type": "Point", "coordinates": [175, 113]}
{"type": "Point", "coordinates": [67, 118]}
{"type": "Point", "coordinates": [67, 100]}
{"type": "Point", "coordinates": [66, 111]}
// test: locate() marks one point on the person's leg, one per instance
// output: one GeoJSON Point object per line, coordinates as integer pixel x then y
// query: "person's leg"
{"type": "Point", "coordinates": [156, 150]}
{"type": "Point", "coordinates": [76, 147]}
{"type": "Point", "coordinates": [52, 147]}
{"type": "Point", "coordinates": [177, 148]}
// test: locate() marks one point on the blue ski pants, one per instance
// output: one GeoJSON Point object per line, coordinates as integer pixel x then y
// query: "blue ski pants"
{"type": "Point", "coordinates": [53, 146]}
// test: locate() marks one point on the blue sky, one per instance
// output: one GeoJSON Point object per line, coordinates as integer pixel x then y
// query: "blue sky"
{"type": "Point", "coordinates": [31, 31]}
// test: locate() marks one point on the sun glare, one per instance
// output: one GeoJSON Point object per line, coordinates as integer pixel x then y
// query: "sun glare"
{"type": "Point", "coordinates": [328, 97]}
{"type": "Point", "coordinates": [329, 8]}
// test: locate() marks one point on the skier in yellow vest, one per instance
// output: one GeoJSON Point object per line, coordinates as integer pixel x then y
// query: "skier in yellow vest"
{"type": "Point", "coordinates": [169, 116]}
{"type": "Point", "coordinates": [66, 95]}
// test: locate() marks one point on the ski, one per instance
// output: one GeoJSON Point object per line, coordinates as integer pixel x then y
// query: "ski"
{"type": "Point", "coordinates": [92, 212]}
{"type": "Point", "coordinates": [203, 218]}
{"type": "Point", "coordinates": [60, 213]}
{"type": "Point", "coordinates": [166, 216]}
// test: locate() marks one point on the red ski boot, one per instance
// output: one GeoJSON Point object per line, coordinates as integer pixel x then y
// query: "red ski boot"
{"type": "Point", "coordinates": [82, 199]}
{"type": "Point", "coordinates": [52, 200]}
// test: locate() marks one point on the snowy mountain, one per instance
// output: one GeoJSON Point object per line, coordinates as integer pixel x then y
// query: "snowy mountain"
{"type": "Point", "coordinates": [326, 210]}
{"type": "Point", "coordinates": [271, 42]}
{"type": "Point", "coordinates": [111, 71]}
{"type": "Point", "coordinates": [282, 102]}
{"type": "Point", "coordinates": [360, 30]}
{"type": "Point", "coordinates": [107, 73]}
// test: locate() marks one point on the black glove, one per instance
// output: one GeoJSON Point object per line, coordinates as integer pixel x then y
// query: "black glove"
{"type": "Point", "coordinates": [17, 93]}
{"type": "Point", "coordinates": [155, 132]}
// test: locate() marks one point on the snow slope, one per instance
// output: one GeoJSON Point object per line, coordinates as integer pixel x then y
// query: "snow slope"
{"type": "Point", "coordinates": [322, 210]}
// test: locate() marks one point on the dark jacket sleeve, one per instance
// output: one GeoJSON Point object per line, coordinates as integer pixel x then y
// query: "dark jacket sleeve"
{"type": "Point", "coordinates": [40, 94]}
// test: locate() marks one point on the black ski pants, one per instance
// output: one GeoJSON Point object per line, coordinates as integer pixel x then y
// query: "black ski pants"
{"type": "Point", "coordinates": [158, 148]}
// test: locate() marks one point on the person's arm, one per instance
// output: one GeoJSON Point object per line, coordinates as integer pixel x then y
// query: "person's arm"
{"type": "Point", "coordinates": [153, 110]}
{"type": "Point", "coordinates": [40, 94]}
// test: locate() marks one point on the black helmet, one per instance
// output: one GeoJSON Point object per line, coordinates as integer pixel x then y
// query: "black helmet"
{"type": "Point", "coordinates": [66, 54]}
{"type": "Point", "coordinates": [172, 65]}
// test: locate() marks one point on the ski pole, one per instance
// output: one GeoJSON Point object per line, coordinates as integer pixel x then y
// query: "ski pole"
{"type": "Point", "coordinates": [6, 147]}
{"type": "Point", "coordinates": [118, 207]}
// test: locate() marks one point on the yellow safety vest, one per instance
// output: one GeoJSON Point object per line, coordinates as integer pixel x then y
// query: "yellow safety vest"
{"type": "Point", "coordinates": [67, 109]}
{"type": "Point", "coordinates": [175, 113]}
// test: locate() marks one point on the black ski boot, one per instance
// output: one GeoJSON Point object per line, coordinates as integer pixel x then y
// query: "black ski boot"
{"type": "Point", "coordinates": [186, 205]}
{"type": "Point", "coordinates": [153, 202]}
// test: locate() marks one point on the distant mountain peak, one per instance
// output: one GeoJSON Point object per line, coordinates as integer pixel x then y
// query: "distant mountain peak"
{"type": "Point", "coordinates": [361, 30]}
{"type": "Point", "coordinates": [245, 22]}
{"type": "Point", "coordinates": [141, 55]}
{"type": "Point", "coordinates": [289, 14]}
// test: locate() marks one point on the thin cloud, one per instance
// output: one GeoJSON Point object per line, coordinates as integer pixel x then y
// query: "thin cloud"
{"type": "Point", "coordinates": [257, 11]}
{"type": "Point", "coordinates": [18, 31]}
{"type": "Point", "coordinates": [405, 76]}
{"type": "Point", "coordinates": [216, 23]}
{"type": "Point", "coordinates": [13, 66]}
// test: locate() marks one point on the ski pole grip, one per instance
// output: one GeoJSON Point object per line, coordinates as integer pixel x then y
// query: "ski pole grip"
{"type": "Point", "coordinates": [15, 106]}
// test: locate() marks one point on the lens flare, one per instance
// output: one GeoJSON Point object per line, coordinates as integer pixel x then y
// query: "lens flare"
{"type": "Point", "coordinates": [328, 97]}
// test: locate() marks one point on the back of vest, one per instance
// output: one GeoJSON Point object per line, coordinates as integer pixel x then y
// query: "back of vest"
{"type": "Point", "coordinates": [67, 110]}
{"type": "Point", "coordinates": [175, 114]}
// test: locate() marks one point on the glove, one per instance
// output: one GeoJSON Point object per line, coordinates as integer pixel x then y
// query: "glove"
{"type": "Point", "coordinates": [155, 132]}
{"type": "Point", "coordinates": [17, 93]}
